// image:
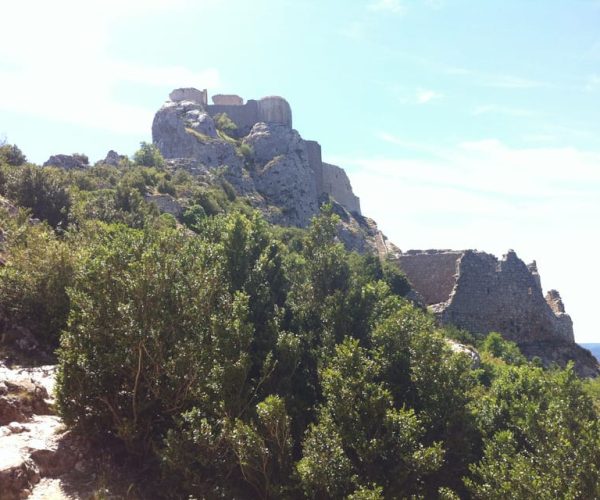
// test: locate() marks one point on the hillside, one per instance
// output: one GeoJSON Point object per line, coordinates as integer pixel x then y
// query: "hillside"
{"type": "Point", "coordinates": [225, 323]}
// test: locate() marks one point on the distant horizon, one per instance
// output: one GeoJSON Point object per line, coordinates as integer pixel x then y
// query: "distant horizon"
{"type": "Point", "coordinates": [460, 126]}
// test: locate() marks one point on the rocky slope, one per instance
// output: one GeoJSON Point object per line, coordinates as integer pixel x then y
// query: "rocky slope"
{"type": "Point", "coordinates": [263, 157]}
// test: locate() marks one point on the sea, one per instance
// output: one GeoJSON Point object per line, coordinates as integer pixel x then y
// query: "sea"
{"type": "Point", "coordinates": [595, 348]}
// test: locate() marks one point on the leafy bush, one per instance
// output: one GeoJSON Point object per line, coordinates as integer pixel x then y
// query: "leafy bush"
{"type": "Point", "coordinates": [224, 123]}
{"type": "Point", "coordinates": [43, 190]}
{"type": "Point", "coordinates": [149, 156]}
{"type": "Point", "coordinates": [11, 155]}
{"type": "Point", "coordinates": [34, 282]}
{"type": "Point", "coordinates": [542, 437]}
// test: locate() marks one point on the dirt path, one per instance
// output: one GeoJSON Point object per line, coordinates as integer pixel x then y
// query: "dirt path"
{"type": "Point", "coordinates": [33, 442]}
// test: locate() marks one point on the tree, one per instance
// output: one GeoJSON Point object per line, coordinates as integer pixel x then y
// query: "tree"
{"type": "Point", "coordinates": [149, 156]}
{"type": "Point", "coordinates": [11, 155]}
{"type": "Point", "coordinates": [541, 437]}
{"type": "Point", "coordinates": [43, 190]}
{"type": "Point", "coordinates": [361, 439]}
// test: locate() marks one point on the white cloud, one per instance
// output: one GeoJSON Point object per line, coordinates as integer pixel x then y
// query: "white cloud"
{"type": "Point", "coordinates": [68, 61]}
{"type": "Point", "coordinates": [424, 96]}
{"type": "Point", "coordinates": [543, 202]}
{"type": "Point", "coordinates": [393, 6]}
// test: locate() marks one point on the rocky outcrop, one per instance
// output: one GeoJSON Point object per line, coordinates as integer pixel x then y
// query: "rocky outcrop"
{"type": "Point", "coordinates": [183, 130]}
{"type": "Point", "coordinates": [113, 159]}
{"type": "Point", "coordinates": [281, 173]}
{"type": "Point", "coordinates": [480, 293]}
{"type": "Point", "coordinates": [337, 185]}
{"type": "Point", "coordinates": [68, 162]}
{"type": "Point", "coordinates": [165, 203]}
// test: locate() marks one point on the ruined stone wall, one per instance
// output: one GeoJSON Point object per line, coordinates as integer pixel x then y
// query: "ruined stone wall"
{"type": "Point", "coordinates": [432, 273]}
{"type": "Point", "coordinates": [503, 296]}
{"type": "Point", "coordinates": [189, 94]}
{"type": "Point", "coordinates": [337, 185]}
{"type": "Point", "coordinates": [227, 99]}
{"type": "Point", "coordinates": [313, 149]}
{"type": "Point", "coordinates": [244, 116]}
{"type": "Point", "coordinates": [275, 109]}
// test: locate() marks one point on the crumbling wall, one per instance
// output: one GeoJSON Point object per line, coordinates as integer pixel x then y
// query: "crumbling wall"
{"type": "Point", "coordinates": [189, 94]}
{"type": "Point", "coordinates": [503, 296]}
{"type": "Point", "coordinates": [337, 185]}
{"type": "Point", "coordinates": [432, 273]}
{"type": "Point", "coordinates": [477, 292]}
{"type": "Point", "coordinates": [244, 116]}
{"type": "Point", "coordinates": [227, 99]}
{"type": "Point", "coordinates": [275, 109]}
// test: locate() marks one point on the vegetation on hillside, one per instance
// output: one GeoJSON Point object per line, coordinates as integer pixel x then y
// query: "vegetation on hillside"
{"type": "Point", "coordinates": [234, 359]}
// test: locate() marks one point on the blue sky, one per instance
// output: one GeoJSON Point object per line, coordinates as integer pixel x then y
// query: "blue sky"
{"type": "Point", "coordinates": [461, 124]}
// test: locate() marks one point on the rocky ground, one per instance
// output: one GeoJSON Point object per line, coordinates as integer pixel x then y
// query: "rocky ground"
{"type": "Point", "coordinates": [39, 458]}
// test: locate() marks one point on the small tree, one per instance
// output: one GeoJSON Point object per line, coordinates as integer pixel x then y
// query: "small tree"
{"type": "Point", "coordinates": [149, 156]}
{"type": "Point", "coordinates": [224, 123]}
{"type": "Point", "coordinates": [11, 155]}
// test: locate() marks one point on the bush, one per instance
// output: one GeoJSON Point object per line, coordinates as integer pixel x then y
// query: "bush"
{"type": "Point", "coordinates": [43, 190]}
{"type": "Point", "coordinates": [33, 284]}
{"type": "Point", "coordinates": [149, 156]}
{"type": "Point", "coordinates": [224, 123]}
{"type": "Point", "coordinates": [11, 155]}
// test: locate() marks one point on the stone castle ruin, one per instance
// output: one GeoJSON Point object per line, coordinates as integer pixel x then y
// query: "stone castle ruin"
{"type": "Point", "coordinates": [479, 293]}
{"type": "Point", "coordinates": [287, 165]}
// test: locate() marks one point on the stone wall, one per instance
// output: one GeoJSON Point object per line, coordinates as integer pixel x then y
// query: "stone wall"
{"type": "Point", "coordinates": [227, 99]}
{"type": "Point", "coordinates": [274, 109]}
{"type": "Point", "coordinates": [477, 292]}
{"type": "Point", "coordinates": [244, 116]}
{"type": "Point", "coordinates": [313, 149]}
{"type": "Point", "coordinates": [432, 273]}
{"type": "Point", "coordinates": [189, 94]}
{"type": "Point", "coordinates": [337, 185]}
{"type": "Point", "coordinates": [503, 296]}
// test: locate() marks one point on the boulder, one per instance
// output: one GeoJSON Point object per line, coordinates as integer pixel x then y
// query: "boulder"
{"type": "Point", "coordinates": [184, 130]}
{"type": "Point", "coordinates": [165, 203]}
{"type": "Point", "coordinates": [113, 158]}
{"type": "Point", "coordinates": [68, 162]}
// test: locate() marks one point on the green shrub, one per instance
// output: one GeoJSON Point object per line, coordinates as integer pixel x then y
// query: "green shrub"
{"type": "Point", "coordinates": [149, 156]}
{"type": "Point", "coordinates": [34, 282]}
{"type": "Point", "coordinates": [43, 190]}
{"type": "Point", "coordinates": [11, 155]}
{"type": "Point", "coordinates": [224, 123]}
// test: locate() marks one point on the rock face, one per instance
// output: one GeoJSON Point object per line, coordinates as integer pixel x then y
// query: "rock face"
{"type": "Point", "coordinates": [337, 184]}
{"type": "Point", "coordinates": [113, 158]}
{"type": "Point", "coordinates": [165, 203]}
{"type": "Point", "coordinates": [480, 293]}
{"type": "Point", "coordinates": [281, 173]}
{"type": "Point", "coordinates": [68, 162]}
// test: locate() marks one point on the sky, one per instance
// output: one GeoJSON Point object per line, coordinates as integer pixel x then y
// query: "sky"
{"type": "Point", "coordinates": [461, 124]}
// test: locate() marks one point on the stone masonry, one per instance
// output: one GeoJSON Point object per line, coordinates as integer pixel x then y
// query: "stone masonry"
{"type": "Point", "coordinates": [480, 293]}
